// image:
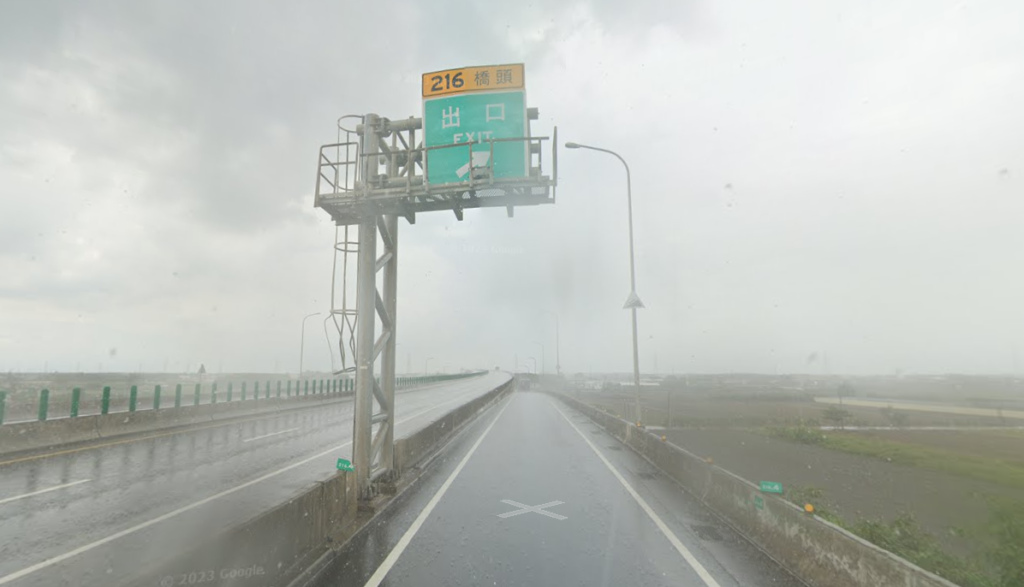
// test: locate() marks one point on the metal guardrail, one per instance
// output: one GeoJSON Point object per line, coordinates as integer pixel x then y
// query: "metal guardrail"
{"type": "Point", "coordinates": [327, 387]}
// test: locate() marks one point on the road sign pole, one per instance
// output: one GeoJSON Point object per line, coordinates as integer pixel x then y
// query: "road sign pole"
{"type": "Point", "coordinates": [475, 132]}
{"type": "Point", "coordinates": [366, 290]}
{"type": "Point", "coordinates": [390, 360]}
{"type": "Point", "coordinates": [365, 319]}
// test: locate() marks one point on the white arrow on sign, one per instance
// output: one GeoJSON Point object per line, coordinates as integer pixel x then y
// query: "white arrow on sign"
{"type": "Point", "coordinates": [480, 159]}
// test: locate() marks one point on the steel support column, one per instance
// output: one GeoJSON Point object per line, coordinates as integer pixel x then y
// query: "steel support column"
{"type": "Point", "coordinates": [366, 322]}
{"type": "Point", "coordinates": [390, 359]}
{"type": "Point", "coordinates": [366, 291]}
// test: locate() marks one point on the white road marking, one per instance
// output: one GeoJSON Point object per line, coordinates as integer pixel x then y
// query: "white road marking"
{"type": "Point", "coordinates": [269, 435]}
{"type": "Point", "coordinates": [537, 509]}
{"type": "Point", "coordinates": [16, 497]}
{"type": "Point", "coordinates": [90, 546]}
{"type": "Point", "coordinates": [403, 542]}
{"type": "Point", "coordinates": [680, 548]}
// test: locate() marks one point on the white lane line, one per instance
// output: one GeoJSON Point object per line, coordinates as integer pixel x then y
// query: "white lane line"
{"type": "Point", "coordinates": [403, 542]}
{"type": "Point", "coordinates": [90, 546]}
{"type": "Point", "coordinates": [48, 489]}
{"type": "Point", "coordinates": [680, 548]}
{"type": "Point", "coordinates": [62, 557]}
{"type": "Point", "coordinates": [269, 435]}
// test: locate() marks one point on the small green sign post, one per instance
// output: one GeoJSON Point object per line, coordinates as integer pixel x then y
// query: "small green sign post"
{"type": "Point", "coordinates": [759, 502]}
{"type": "Point", "coordinates": [345, 465]}
{"type": "Point", "coordinates": [465, 118]}
{"type": "Point", "coordinates": [771, 487]}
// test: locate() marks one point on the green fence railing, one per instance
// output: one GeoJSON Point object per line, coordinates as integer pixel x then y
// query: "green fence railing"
{"type": "Point", "coordinates": [76, 405]}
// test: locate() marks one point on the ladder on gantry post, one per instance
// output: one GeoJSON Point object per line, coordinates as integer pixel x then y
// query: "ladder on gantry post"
{"type": "Point", "coordinates": [345, 168]}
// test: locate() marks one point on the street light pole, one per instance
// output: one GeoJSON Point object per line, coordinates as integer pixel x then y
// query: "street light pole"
{"type": "Point", "coordinates": [558, 345]}
{"type": "Point", "coordinates": [328, 338]}
{"type": "Point", "coordinates": [302, 343]}
{"type": "Point", "coordinates": [633, 301]}
{"type": "Point", "coordinates": [543, 363]}
{"type": "Point", "coordinates": [534, 364]}
{"type": "Point", "coordinates": [425, 363]}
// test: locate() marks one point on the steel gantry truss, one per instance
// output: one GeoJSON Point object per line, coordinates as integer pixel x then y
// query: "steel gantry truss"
{"type": "Point", "coordinates": [366, 182]}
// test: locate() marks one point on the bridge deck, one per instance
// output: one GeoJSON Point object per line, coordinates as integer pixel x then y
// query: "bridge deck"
{"type": "Point", "coordinates": [617, 520]}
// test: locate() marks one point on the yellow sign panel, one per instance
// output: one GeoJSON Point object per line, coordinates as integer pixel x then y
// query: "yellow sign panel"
{"type": "Point", "coordinates": [474, 79]}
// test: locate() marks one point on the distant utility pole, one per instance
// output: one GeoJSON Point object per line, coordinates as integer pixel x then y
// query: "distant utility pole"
{"type": "Point", "coordinates": [558, 344]}
{"type": "Point", "coordinates": [302, 343]}
{"type": "Point", "coordinates": [543, 363]}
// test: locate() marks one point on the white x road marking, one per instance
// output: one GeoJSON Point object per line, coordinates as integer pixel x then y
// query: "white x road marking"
{"type": "Point", "coordinates": [537, 509]}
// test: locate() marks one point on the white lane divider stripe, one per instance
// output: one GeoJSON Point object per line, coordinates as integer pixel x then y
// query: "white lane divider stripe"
{"type": "Point", "coordinates": [403, 542]}
{"type": "Point", "coordinates": [90, 546]}
{"type": "Point", "coordinates": [85, 548]}
{"type": "Point", "coordinates": [679, 546]}
{"type": "Point", "coordinates": [47, 490]}
{"type": "Point", "coordinates": [269, 435]}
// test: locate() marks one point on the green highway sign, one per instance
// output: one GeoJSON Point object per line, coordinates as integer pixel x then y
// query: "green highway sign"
{"type": "Point", "coordinates": [759, 502]}
{"type": "Point", "coordinates": [345, 465]}
{"type": "Point", "coordinates": [771, 487]}
{"type": "Point", "coordinates": [465, 118]}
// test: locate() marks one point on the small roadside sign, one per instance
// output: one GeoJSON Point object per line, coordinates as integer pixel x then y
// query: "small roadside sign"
{"type": "Point", "coordinates": [771, 487]}
{"type": "Point", "coordinates": [759, 502]}
{"type": "Point", "coordinates": [345, 465]}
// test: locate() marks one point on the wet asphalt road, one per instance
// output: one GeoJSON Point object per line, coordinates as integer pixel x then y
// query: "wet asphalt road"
{"type": "Point", "coordinates": [99, 516]}
{"type": "Point", "coordinates": [533, 450]}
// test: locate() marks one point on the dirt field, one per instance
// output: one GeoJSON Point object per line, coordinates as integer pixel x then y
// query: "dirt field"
{"type": "Point", "coordinates": [852, 485]}
{"type": "Point", "coordinates": [755, 412]}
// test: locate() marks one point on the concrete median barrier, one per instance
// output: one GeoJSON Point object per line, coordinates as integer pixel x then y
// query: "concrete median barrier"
{"type": "Point", "coordinates": [150, 420]}
{"type": "Point", "coordinates": [816, 551]}
{"type": "Point", "coordinates": [27, 436]}
{"type": "Point", "coordinates": [35, 436]}
{"type": "Point", "coordinates": [409, 451]}
{"type": "Point", "coordinates": [271, 548]}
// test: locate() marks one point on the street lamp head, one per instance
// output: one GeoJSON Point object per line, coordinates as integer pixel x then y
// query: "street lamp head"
{"type": "Point", "coordinates": [572, 145]}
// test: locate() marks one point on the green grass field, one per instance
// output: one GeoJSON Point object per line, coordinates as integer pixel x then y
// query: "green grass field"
{"type": "Point", "coordinates": [964, 463]}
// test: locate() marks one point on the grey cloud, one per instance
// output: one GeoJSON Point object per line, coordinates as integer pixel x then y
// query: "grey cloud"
{"type": "Point", "coordinates": [157, 163]}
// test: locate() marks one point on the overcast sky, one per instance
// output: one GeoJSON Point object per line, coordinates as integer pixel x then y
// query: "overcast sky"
{"type": "Point", "coordinates": [839, 179]}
